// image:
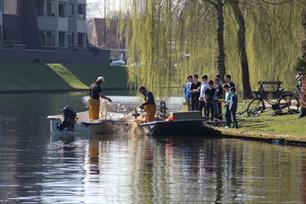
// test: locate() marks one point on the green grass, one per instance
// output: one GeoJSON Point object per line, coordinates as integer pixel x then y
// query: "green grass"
{"type": "Point", "coordinates": [15, 77]}
{"type": "Point", "coordinates": [283, 124]}
{"type": "Point", "coordinates": [67, 76]}
{"type": "Point", "coordinates": [278, 125]}
{"type": "Point", "coordinates": [38, 76]}
{"type": "Point", "coordinates": [115, 77]}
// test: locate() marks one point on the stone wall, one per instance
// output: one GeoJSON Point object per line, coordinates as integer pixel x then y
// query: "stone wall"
{"type": "Point", "coordinates": [19, 54]}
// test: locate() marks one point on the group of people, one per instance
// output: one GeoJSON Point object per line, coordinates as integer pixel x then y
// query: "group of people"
{"type": "Point", "coordinates": [208, 96]}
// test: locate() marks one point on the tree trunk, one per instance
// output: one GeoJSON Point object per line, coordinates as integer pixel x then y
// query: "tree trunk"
{"type": "Point", "coordinates": [301, 61]}
{"type": "Point", "coordinates": [247, 91]}
{"type": "Point", "coordinates": [220, 39]}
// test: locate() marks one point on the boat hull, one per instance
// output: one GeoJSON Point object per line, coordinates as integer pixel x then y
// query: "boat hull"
{"type": "Point", "coordinates": [178, 128]}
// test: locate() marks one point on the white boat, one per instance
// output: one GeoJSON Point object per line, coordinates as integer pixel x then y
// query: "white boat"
{"type": "Point", "coordinates": [112, 123]}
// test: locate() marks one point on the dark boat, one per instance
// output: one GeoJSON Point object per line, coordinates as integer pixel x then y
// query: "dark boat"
{"type": "Point", "coordinates": [183, 124]}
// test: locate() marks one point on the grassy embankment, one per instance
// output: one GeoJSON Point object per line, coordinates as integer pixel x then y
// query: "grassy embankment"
{"type": "Point", "coordinates": [266, 126]}
{"type": "Point", "coordinates": [16, 77]}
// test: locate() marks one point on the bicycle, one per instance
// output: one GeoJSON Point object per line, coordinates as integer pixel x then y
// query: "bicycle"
{"type": "Point", "coordinates": [286, 102]}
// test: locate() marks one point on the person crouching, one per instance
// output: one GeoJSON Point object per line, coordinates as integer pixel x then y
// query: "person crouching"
{"type": "Point", "coordinates": [148, 105]}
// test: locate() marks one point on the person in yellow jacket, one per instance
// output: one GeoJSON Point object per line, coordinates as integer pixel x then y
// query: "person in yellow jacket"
{"type": "Point", "coordinates": [94, 100]}
{"type": "Point", "coordinates": [148, 105]}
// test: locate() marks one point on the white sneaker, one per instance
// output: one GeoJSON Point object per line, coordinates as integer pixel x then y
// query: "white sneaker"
{"type": "Point", "coordinates": [226, 127]}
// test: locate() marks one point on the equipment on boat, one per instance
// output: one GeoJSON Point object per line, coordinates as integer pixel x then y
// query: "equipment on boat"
{"type": "Point", "coordinates": [70, 118]}
{"type": "Point", "coordinates": [163, 109]}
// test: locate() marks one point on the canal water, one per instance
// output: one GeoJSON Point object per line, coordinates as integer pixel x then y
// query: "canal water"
{"type": "Point", "coordinates": [38, 168]}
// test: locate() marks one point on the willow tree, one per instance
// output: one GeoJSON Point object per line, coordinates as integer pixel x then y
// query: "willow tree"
{"type": "Point", "coordinates": [166, 40]}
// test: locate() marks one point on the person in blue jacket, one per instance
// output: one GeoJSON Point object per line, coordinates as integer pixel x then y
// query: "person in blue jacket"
{"type": "Point", "coordinates": [187, 93]}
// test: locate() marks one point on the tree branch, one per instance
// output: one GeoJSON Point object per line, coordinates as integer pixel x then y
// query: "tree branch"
{"type": "Point", "coordinates": [276, 3]}
{"type": "Point", "coordinates": [211, 2]}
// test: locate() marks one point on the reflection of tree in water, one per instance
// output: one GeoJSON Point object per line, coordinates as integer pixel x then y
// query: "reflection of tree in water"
{"type": "Point", "coordinates": [161, 170]}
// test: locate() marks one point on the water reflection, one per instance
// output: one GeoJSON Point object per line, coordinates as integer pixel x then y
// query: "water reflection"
{"type": "Point", "coordinates": [37, 168]}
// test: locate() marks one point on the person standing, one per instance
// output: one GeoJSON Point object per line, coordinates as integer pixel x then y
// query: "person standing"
{"type": "Point", "coordinates": [209, 95]}
{"type": "Point", "coordinates": [148, 105]}
{"type": "Point", "coordinates": [218, 98]}
{"type": "Point", "coordinates": [228, 79]}
{"type": "Point", "coordinates": [94, 100]}
{"type": "Point", "coordinates": [227, 99]}
{"type": "Point", "coordinates": [203, 88]}
{"type": "Point", "coordinates": [233, 107]}
{"type": "Point", "coordinates": [187, 93]}
{"type": "Point", "coordinates": [195, 92]}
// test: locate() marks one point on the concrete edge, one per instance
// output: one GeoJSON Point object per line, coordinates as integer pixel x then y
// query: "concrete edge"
{"type": "Point", "coordinates": [270, 137]}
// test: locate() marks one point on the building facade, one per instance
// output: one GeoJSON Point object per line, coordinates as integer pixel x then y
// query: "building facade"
{"type": "Point", "coordinates": [43, 23]}
{"type": "Point", "coordinates": [62, 23]}
{"type": "Point", "coordinates": [104, 36]}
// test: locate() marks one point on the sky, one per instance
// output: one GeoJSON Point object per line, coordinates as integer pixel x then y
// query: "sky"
{"type": "Point", "coordinates": [96, 7]}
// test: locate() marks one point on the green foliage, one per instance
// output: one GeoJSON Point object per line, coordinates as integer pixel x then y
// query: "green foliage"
{"type": "Point", "coordinates": [169, 39]}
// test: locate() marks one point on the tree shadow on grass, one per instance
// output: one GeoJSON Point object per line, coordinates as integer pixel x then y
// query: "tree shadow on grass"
{"type": "Point", "coordinates": [254, 124]}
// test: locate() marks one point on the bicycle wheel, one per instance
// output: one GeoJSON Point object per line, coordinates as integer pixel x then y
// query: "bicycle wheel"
{"type": "Point", "coordinates": [288, 103]}
{"type": "Point", "coordinates": [255, 107]}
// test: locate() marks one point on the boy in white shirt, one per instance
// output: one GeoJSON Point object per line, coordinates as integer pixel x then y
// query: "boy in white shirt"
{"type": "Point", "coordinates": [203, 88]}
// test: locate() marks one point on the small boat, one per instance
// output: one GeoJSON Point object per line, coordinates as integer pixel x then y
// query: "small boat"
{"type": "Point", "coordinates": [181, 124]}
{"type": "Point", "coordinates": [113, 123]}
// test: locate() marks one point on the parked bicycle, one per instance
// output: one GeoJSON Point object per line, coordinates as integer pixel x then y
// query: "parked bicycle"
{"type": "Point", "coordinates": [284, 102]}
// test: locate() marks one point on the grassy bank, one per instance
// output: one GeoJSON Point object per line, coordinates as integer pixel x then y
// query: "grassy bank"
{"type": "Point", "coordinates": [63, 77]}
{"type": "Point", "coordinates": [266, 126]}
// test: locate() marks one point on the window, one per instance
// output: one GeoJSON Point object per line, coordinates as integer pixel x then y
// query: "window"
{"type": "Point", "coordinates": [40, 7]}
{"type": "Point", "coordinates": [61, 39]}
{"type": "Point", "coordinates": [50, 38]}
{"type": "Point", "coordinates": [11, 7]}
{"type": "Point", "coordinates": [81, 11]}
{"type": "Point", "coordinates": [71, 40]}
{"type": "Point", "coordinates": [81, 39]}
{"type": "Point", "coordinates": [42, 38]}
{"type": "Point", "coordinates": [47, 38]}
{"type": "Point", "coordinates": [71, 10]}
{"type": "Point", "coordinates": [50, 8]}
{"type": "Point", "coordinates": [62, 9]}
